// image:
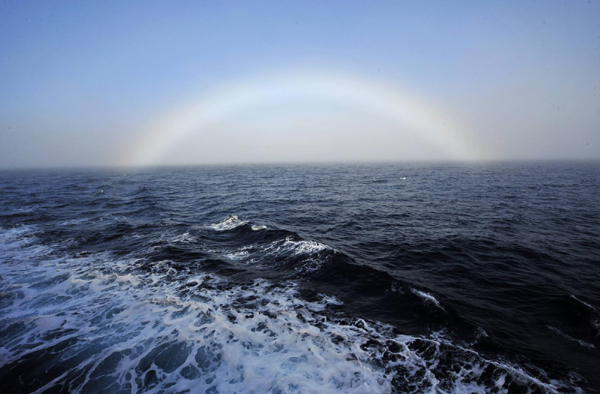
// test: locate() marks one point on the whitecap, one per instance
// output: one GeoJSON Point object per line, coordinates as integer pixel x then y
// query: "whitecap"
{"type": "Point", "coordinates": [288, 245]}
{"type": "Point", "coordinates": [241, 254]}
{"type": "Point", "coordinates": [184, 238]}
{"type": "Point", "coordinates": [229, 223]}
{"type": "Point", "coordinates": [427, 298]}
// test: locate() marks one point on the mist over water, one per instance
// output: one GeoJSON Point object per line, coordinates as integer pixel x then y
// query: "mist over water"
{"type": "Point", "coordinates": [301, 279]}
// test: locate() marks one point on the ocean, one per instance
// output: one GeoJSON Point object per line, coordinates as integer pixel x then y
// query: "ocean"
{"type": "Point", "coordinates": [380, 278]}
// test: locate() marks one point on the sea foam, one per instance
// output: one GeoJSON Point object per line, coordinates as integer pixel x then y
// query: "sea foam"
{"type": "Point", "coordinates": [229, 223]}
{"type": "Point", "coordinates": [134, 326]}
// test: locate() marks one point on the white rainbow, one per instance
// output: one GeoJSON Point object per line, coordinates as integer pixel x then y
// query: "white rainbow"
{"type": "Point", "coordinates": [378, 98]}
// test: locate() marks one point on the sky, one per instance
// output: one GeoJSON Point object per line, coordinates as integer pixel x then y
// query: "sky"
{"type": "Point", "coordinates": [136, 83]}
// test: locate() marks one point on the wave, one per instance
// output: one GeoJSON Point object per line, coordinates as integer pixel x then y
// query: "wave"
{"type": "Point", "coordinates": [287, 251]}
{"type": "Point", "coordinates": [98, 323]}
{"type": "Point", "coordinates": [184, 238]}
{"type": "Point", "coordinates": [428, 298]}
{"type": "Point", "coordinates": [584, 303]}
{"type": "Point", "coordinates": [570, 338]}
{"type": "Point", "coordinates": [232, 222]}
{"type": "Point", "coordinates": [295, 247]}
{"type": "Point", "coordinates": [229, 223]}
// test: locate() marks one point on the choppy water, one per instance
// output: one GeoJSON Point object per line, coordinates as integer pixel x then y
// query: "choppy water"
{"type": "Point", "coordinates": [301, 279]}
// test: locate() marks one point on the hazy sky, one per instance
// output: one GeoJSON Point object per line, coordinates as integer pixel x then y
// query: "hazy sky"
{"type": "Point", "coordinates": [175, 82]}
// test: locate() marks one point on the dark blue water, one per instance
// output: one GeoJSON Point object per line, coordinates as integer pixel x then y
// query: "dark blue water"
{"type": "Point", "coordinates": [301, 279]}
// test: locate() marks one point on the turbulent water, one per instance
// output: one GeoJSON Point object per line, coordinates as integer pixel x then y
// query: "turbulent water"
{"type": "Point", "coordinates": [301, 279]}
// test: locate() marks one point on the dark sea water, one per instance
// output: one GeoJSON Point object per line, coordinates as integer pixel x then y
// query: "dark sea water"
{"type": "Point", "coordinates": [301, 279]}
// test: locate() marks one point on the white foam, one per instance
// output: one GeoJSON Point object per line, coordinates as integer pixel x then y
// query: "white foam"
{"type": "Point", "coordinates": [240, 254]}
{"type": "Point", "coordinates": [265, 255]}
{"type": "Point", "coordinates": [304, 247]}
{"type": "Point", "coordinates": [427, 298]}
{"type": "Point", "coordinates": [229, 223]}
{"type": "Point", "coordinates": [184, 238]}
{"type": "Point", "coordinates": [265, 348]}
{"type": "Point", "coordinates": [18, 242]}
{"type": "Point", "coordinates": [150, 328]}
{"type": "Point", "coordinates": [288, 245]}
{"type": "Point", "coordinates": [49, 323]}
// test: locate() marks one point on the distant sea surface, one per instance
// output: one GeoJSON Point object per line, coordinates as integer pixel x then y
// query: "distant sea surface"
{"type": "Point", "coordinates": [396, 278]}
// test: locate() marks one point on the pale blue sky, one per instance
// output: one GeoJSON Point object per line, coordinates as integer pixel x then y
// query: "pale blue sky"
{"type": "Point", "coordinates": [82, 82]}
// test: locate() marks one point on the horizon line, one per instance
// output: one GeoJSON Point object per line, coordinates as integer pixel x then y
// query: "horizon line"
{"type": "Point", "coordinates": [304, 163]}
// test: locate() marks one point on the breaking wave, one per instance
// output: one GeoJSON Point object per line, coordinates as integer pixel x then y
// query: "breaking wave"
{"type": "Point", "coordinates": [229, 223]}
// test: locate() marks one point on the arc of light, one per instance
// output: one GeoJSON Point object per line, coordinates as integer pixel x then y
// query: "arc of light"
{"type": "Point", "coordinates": [375, 97]}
